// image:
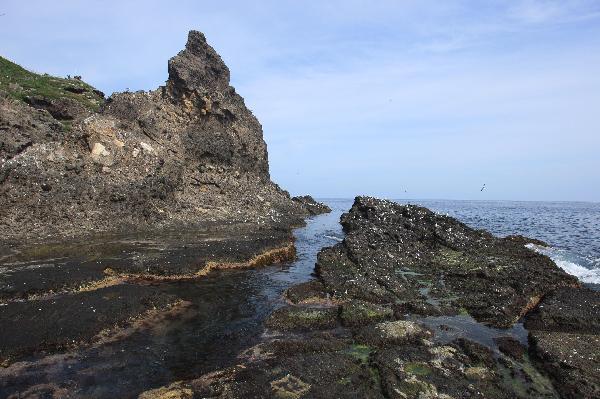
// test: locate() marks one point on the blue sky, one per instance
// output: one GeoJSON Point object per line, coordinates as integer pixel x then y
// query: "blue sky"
{"type": "Point", "coordinates": [398, 99]}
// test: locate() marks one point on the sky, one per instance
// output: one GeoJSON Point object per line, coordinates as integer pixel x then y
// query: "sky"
{"type": "Point", "coordinates": [396, 99]}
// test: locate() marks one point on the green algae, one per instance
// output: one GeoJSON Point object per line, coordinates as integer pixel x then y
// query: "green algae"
{"type": "Point", "coordinates": [357, 313]}
{"type": "Point", "coordinates": [463, 311]}
{"type": "Point", "coordinates": [523, 379]}
{"type": "Point", "coordinates": [344, 381]}
{"type": "Point", "coordinates": [359, 351]}
{"type": "Point", "coordinates": [417, 368]}
{"type": "Point", "coordinates": [289, 387]}
{"type": "Point", "coordinates": [450, 257]}
{"type": "Point", "coordinates": [375, 377]}
{"type": "Point", "coordinates": [415, 388]}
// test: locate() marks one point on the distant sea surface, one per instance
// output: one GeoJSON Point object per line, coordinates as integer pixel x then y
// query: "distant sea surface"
{"type": "Point", "coordinates": [572, 229]}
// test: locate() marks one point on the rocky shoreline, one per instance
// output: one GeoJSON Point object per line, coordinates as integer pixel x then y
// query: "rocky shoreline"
{"type": "Point", "coordinates": [119, 217]}
{"type": "Point", "coordinates": [417, 305]}
{"type": "Point", "coordinates": [116, 213]}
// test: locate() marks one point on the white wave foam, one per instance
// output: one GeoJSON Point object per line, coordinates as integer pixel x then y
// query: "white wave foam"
{"type": "Point", "coordinates": [338, 239]}
{"type": "Point", "coordinates": [584, 274]}
{"type": "Point", "coordinates": [564, 260]}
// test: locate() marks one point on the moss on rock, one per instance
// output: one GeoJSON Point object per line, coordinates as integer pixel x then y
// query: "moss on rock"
{"type": "Point", "coordinates": [291, 318]}
{"type": "Point", "coordinates": [359, 313]}
{"type": "Point", "coordinates": [19, 83]}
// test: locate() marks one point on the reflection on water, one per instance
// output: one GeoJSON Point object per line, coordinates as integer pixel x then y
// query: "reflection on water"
{"type": "Point", "coordinates": [449, 328]}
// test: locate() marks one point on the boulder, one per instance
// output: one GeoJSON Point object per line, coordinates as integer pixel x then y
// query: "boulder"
{"type": "Point", "coordinates": [313, 207]}
{"type": "Point", "coordinates": [405, 254]}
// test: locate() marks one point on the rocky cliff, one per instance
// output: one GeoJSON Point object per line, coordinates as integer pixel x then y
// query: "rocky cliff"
{"type": "Point", "coordinates": [188, 153]}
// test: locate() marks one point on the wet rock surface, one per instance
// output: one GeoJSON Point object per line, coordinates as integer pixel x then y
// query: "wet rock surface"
{"type": "Point", "coordinates": [186, 154]}
{"type": "Point", "coordinates": [48, 326]}
{"type": "Point", "coordinates": [389, 317]}
{"type": "Point", "coordinates": [565, 340]}
{"type": "Point", "coordinates": [39, 271]}
{"type": "Point", "coordinates": [413, 258]}
{"type": "Point", "coordinates": [77, 315]}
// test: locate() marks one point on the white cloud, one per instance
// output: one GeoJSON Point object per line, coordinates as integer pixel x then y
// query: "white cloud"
{"type": "Point", "coordinates": [362, 96]}
{"type": "Point", "coordinates": [554, 11]}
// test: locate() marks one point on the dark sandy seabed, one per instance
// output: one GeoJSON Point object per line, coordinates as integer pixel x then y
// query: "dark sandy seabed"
{"type": "Point", "coordinates": [49, 340]}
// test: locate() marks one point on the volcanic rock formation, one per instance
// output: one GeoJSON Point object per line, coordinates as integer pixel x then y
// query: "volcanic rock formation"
{"type": "Point", "coordinates": [188, 153]}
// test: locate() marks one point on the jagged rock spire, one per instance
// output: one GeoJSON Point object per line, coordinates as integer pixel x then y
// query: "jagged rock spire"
{"type": "Point", "coordinates": [197, 68]}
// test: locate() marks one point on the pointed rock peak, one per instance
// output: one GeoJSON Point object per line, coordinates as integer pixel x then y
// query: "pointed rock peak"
{"type": "Point", "coordinates": [197, 68]}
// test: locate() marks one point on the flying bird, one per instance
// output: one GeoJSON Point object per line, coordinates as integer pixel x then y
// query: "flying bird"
{"type": "Point", "coordinates": [482, 187]}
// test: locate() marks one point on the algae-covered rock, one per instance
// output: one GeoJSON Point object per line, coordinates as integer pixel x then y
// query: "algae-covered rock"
{"type": "Point", "coordinates": [291, 318]}
{"type": "Point", "coordinates": [565, 337]}
{"type": "Point", "coordinates": [295, 374]}
{"type": "Point", "coordinates": [393, 332]}
{"type": "Point", "coordinates": [400, 254]}
{"type": "Point", "coordinates": [289, 387]}
{"type": "Point", "coordinates": [358, 313]}
{"type": "Point", "coordinates": [173, 391]}
{"type": "Point", "coordinates": [305, 293]}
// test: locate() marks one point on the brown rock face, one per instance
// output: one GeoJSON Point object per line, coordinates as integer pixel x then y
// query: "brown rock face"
{"type": "Point", "coordinates": [188, 153]}
{"type": "Point", "coordinates": [197, 68]}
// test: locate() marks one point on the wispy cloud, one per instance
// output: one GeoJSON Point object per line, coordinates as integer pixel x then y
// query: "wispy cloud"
{"type": "Point", "coordinates": [361, 96]}
{"type": "Point", "coordinates": [554, 11]}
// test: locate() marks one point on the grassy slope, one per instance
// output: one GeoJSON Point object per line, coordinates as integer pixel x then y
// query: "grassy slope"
{"type": "Point", "coordinates": [20, 83]}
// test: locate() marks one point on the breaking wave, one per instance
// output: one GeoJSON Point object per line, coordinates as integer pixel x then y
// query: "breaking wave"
{"type": "Point", "coordinates": [570, 263]}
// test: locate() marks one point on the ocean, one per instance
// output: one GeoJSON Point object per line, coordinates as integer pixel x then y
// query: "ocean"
{"type": "Point", "coordinates": [572, 229]}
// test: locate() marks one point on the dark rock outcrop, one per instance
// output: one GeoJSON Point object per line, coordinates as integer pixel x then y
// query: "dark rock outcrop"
{"type": "Point", "coordinates": [313, 207]}
{"type": "Point", "coordinates": [60, 109]}
{"type": "Point", "coordinates": [186, 154]}
{"type": "Point", "coordinates": [564, 332]}
{"type": "Point", "coordinates": [21, 127]}
{"type": "Point", "coordinates": [406, 255]}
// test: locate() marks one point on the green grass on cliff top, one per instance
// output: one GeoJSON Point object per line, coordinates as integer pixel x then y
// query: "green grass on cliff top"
{"type": "Point", "coordinates": [20, 83]}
